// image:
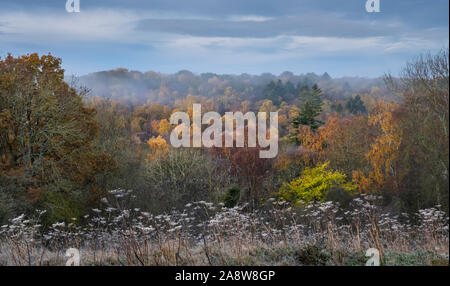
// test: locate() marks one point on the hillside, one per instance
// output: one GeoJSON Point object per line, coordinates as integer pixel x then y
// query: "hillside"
{"type": "Point", "coordinates": [136, 88]}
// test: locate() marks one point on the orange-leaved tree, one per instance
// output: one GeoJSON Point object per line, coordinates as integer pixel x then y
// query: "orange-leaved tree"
{"type": "Point", "coordinates": [46, 155]}
{"type": "Point", "coordinates": [384, 152]}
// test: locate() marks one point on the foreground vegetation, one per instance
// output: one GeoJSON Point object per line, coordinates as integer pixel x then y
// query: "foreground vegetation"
{"type": "Point", "coordinates": [207, 234]}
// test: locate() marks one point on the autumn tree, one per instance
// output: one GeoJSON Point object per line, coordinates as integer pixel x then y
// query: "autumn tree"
{"type": "Point", "coordinates": [344, 142]}
{"type": "Point", "coordinates": [424, 122]}
{"type": "Point", "coordinates": [409, 157]}
{"type": "Point", "coordinates": [164, 127]}
{"type": "Point", "coordinates": [246, 166]}
{"type": "Point", "coordinates": [267, 106]}
{"type": "Point", "coordinates": [384, 174]}
{"type": "Point", "coordinates": [45, 137]}
{"type": "Point", "coordinates": [314, 185]}
{"type": "Point", "coordinates": [158, 147]}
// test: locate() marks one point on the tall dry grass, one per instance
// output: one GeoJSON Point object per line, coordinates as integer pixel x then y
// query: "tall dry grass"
{"type": "Point", "coordinates": [207, 234]}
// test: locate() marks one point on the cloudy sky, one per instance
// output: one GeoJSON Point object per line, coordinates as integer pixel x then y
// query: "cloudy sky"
{"type": "Point", "coordinates": [232, 36]}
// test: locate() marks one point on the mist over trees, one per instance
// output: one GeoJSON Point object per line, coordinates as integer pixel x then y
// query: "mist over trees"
{"type": "Point", "coordinates": [137, 88]}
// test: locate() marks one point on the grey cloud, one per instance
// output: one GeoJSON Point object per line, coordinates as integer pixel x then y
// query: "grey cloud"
{"type": "Point", "coordinates": [417, 13]}
{"type": "Point", "coordinates": [305, 25]}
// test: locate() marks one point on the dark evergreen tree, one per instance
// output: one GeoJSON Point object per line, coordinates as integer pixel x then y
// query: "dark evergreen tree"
{"type": "Point", "coordinates": [310, 108]}
{"type": "Point", "coordinates": [355, 105]}
{"type": "Point", "coordinates": [274, 91]}
{"type": "Point", "coordinates": [338, 108]}
{"type": "Point", "coordinates": [326, 76]}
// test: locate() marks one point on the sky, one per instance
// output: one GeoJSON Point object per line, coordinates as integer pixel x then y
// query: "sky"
{"type": "Point", "coordinates": [233, 36]}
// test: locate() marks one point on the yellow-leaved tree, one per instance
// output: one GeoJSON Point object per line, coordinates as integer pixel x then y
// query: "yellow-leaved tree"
{"type": "Point", "coordinates": [164, 127]}
{"type": "Point", "coordinates": [314, 184]}
{"type": "Point", "coordinates": [158, 147]}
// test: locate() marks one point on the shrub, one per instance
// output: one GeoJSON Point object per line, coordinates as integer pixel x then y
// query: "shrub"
{"type": "Point", "coordinates": [314, 185]}
{"type": "Point", "coordinates": [232, 197]}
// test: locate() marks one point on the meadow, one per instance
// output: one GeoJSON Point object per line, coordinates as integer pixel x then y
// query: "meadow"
{"type": "Point", "coordinates": [204, 233]}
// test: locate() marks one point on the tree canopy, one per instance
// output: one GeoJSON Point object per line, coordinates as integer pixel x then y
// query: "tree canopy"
{"type": "Point", "coordinates": [45, 135]}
